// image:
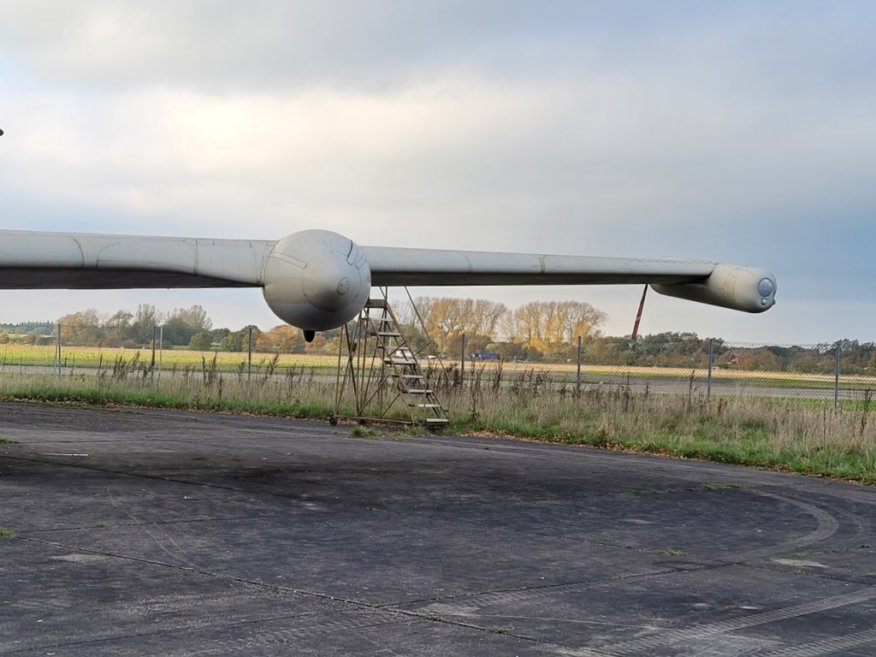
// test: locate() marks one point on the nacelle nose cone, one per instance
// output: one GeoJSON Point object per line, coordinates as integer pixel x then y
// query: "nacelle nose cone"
{"type": "Point", "coordinates": [329, 281]}
{"type": "Point", "coordinates": [751, 289]}
{"type": "Point", "coordinates": [316, 280]}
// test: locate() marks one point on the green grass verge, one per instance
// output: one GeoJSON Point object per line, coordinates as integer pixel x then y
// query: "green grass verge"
{"type": "Point", "coordinates": [830, 461]}
{"type": "Point", "coordinates": [810, 439]}
{"type": "Point", "coordinates": [96, 395]}
{"type": "Point", "coordinates": [759, 433]}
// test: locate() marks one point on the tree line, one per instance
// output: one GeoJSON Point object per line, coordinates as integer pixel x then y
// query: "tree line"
{"type": "Point", "coordinates": [541, 331]}
{"type": "Point", "coordinates": [182, 327]}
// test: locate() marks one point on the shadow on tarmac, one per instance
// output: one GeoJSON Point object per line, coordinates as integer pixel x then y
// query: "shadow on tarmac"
{"type": "Point", "coordinates": [153, 532]}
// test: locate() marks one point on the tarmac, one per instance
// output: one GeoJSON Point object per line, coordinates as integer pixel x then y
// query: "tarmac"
{"type": "Point", "coordinates": [145, 532]}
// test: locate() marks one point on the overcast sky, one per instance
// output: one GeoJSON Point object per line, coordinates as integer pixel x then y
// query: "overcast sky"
{"type": "Point", "coordinates": [742, 132]}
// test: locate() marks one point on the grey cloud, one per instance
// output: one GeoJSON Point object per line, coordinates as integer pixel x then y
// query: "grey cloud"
{"type": "Point", "coordinates": [265, 44]}
{"type": "Point", "coordinates": [736, 131]}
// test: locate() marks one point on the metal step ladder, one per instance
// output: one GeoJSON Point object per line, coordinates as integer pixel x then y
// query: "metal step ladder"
{"type": "Point", "coordinates": [382, 372]}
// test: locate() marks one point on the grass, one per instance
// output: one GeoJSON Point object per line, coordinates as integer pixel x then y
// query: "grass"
{"type": "Point", "coordinates": [363, 432]}
{"type": "Point", "coordinates": [7, 532]}
{"type": "Point", "coordinates": [791, 435]}
{"type": "Point", "coordinates": [669, 552]}
{"type": "Point", "coordinates": [213, 393]}
{"type": "Point", "coordinates": [769, 433]}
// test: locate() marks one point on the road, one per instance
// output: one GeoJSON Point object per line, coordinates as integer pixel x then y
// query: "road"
{"type": "Point", "coordinates": [132, 532]}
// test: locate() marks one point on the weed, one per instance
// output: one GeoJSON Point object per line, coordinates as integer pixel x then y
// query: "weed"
{"type": "Point", "coordinates": [7, 532]}
{"type": "Point", "coordinates": [363, 432]}
{"type": "Point", "coordinates": [720, 487]}
{"type": "Point", "coordinates": [669, 552]}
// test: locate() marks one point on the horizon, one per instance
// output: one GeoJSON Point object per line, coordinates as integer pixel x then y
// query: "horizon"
{"type": "Point", "coordinates": [500, 338]}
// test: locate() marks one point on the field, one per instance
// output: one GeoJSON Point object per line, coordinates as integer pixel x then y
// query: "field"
{"type": "Point", "coordinates": [16, 357]}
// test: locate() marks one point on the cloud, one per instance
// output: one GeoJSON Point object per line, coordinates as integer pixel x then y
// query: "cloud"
{"type": "Point", "coordinates": [266, 44]}
{"type": "Point", "coordinates": [734, 131]}
{"type": "Point", "coordinates": [567, 153]}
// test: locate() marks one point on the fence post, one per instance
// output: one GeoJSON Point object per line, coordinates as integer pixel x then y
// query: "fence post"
{"type": "Point", "coordinates": [160, 349]}
{"type": "Point", "coordinates": [836, 376]}
{"type": "Point", "coordinates": [709, 380]}
{"type": "Point", "coordinates": [578, 373]}
{"type": "Point", "coordinates": [58, 353]}
{"type": "Point", "coordinates": [462, 361]}
{"type": "Point", "coordinates": [152, 364]}
{"type": "Point", "coordinates": [249, 356]}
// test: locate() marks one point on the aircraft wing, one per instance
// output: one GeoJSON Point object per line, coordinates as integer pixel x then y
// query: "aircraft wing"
{"type": "Point", "coordinates": [401, 266]}
{"type": "Point", "coordinates": [316, 279]}
{"type": "Point", "coordinates": [751, 289]}
{"type": "Point", "coordinates": [36, 260]}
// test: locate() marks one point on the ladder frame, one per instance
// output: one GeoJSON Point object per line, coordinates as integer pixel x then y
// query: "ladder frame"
{"type": "Point", "coordinates": [378, 368]}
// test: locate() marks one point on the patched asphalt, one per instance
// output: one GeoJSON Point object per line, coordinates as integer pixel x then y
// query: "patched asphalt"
{"type": "Point", "coordinates": [140, 532]}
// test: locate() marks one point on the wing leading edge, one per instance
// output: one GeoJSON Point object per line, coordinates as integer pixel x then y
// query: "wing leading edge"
{"type": "Point", "coordinates": [37, 260]}
{"type": "Point", "coordinates": [402, 266]}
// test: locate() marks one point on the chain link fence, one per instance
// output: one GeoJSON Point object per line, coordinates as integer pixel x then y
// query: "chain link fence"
{"type": "Point", "coordinates": [702, 368]}
{"type": "Point", "coordinates": [669, 364]}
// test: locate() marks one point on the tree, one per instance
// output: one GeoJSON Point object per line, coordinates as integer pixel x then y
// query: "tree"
{"type": "Point", "coordinates": [239, 340]}
{"type": "Point", "coordinates": [118, 330]}
{"type": "Point", "coordinates": [81, 328]}
{"type": "Point", "coordinates": [183, 323]}
{"type": "Point", "coordinates": [283, 339]}
{"type": "Point", "coordinates": [145, 320]}
{"type": "Point", "coordinates": [447, 319]}
{"type": "Point", "coordinates": [547, 326]}
{"type": "Point", "coordinates": [201, 341]}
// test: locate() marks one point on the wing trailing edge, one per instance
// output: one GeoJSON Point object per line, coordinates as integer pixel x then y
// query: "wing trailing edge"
{"type": "Point", "coordinates": [300, 265]}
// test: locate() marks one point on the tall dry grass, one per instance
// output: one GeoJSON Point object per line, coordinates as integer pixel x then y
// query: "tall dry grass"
{"type": "Point", "coordinates": [789, 434]}
{"type": "Point", "coordinates": [797, 435]}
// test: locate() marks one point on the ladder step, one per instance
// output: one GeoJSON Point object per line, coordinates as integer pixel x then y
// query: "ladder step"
{"type": "Point", "coordinates": [391, 347]}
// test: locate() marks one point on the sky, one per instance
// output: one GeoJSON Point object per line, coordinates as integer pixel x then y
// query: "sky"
{"type": "Point", "coordinates": [740, 132]}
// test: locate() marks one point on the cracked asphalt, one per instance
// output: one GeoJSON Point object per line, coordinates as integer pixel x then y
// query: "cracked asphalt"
{"type": "Point", "coordinates": [132, 532]}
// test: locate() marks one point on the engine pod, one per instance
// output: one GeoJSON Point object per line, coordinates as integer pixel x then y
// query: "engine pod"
{"type": "Point", "coordinates": [316, 280]}
{"type": "Point", "coordinates": [750, 289]}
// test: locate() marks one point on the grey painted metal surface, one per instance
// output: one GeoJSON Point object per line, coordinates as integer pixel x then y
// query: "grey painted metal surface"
{"type": "Point", "coordinates": [39, 260]}
{"type": "Point", "coordinates": [401, 266]}
{"type": "Point", "coordinates": [317, 279]}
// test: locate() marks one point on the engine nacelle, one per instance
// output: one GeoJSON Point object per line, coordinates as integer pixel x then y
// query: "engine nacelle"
{"type": "Point", "coordinates": [751, 289]}
{"type": "Point", "coordinates": [316, 280]}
